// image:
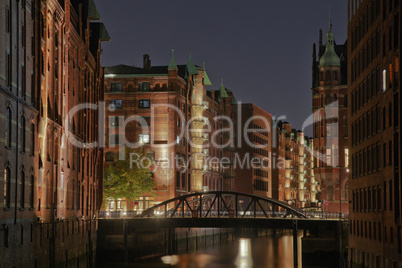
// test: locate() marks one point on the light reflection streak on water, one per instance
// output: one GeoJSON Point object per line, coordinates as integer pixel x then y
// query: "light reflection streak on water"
{"type": "Point", "coordinates": [267, 252]}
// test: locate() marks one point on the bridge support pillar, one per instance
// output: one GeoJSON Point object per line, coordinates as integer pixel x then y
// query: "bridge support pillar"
{"type": "Point", "coordinates": [295, 252]}
{"type": "Point", "coordinates": [171, 243]}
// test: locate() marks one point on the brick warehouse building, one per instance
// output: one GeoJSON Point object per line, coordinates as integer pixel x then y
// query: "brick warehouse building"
{"type": "Point", "coordinates": [256, 144]}
{"type": "Point", "coordinates": [293, 179]}
{"type": "Point", "coordinates": [374, 83]}
{"type": "Point", "coordinates": [133, 91]}
{"type": "Point", "coordinates": [330, 125]}
{"type": "Point", "coordinates": [52, 189]}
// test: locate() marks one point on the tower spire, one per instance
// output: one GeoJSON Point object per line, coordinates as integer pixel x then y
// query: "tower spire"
{"type": "Point", "coordinates": [206, 80]}
{"type": "Point", "coordinates": [330, 19]}
{"type": "Point", "coordinates": [172, 65]}
{"type": "Point", "coordinates": [191, 66]}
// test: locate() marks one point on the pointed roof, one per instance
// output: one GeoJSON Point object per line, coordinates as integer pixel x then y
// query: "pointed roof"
{"type": "Point", "coordinates": [233, 101]}
{"type": "Point", "coordinates": [93, 13]}
{"type": "Point", "coordinates": [172, 65]}
{"type": "Point", "coordinates": [191, 66]}
{"type": "Point", "coordinates": [222, 91]}
{"type": "Point", "coordinates": [207, 81]}
{"type": "Point", "coordinates": [330, 58]}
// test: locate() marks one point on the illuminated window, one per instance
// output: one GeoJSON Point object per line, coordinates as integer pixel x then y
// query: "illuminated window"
{"type": "Point", "coordinates": [346, 157]}
{"type": "Point", "coordinates": [7, 187]}
{"type": "Point", "coordinates": [116, 105]}
{"type": "Point", "coordinates": [144, 104]}
{"type": "Point", "coordinates": [115, 121]}
{"type": "Point", "coordinates": [143, 138]}
{"type": "Point", "coordinates": [384, 80]}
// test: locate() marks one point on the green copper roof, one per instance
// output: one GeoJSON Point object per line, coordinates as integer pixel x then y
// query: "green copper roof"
{"type": "Point", "coordinates": [191, 66]}
{"type": "Point", "coordinates": [222, 91]}
{"type": "Point", "coordinates": [207, 81]}
{"type": "Point", "coordinates": [104, 35]}
{"type": "Point", "coordinates": [234, 101]}
{"type": "Point", "coordinates": [172, 65]}
{"type": "Point", "coordinates": [93, 12]}
{"type": "Point", "coordinates": [330, 58]}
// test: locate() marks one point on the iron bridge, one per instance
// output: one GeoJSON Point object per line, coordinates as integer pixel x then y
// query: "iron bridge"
{"type": "Point", "coordinates": [216, 204]}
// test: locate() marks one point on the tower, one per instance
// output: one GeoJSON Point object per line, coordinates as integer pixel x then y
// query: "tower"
{"type": "Point", "coordinates": [330, 123]}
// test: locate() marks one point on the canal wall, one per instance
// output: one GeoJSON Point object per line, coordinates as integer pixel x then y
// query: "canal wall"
{"type": "Point", "coordinates": [118, 243]}
{"type": "Point", "coordinates": [326, 246]}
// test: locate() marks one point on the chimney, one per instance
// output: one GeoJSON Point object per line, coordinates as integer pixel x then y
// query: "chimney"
{"type": "Point", "coordinates": [147, 62]}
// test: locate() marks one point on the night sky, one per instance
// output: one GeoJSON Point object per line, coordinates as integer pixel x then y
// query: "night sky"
{"type": "Point", "coordinates": [262, 49]}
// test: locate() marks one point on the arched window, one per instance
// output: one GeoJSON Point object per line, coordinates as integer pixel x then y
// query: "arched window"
{"type": "Point", "coordinates": [31, 192]}
{"type": "Point", "coordinates": [328, 99]}
{"type": "Point", "coordinates": [7, 187]}
{"type": "Point", "coordinates": [22, 190]}
{"type": "Point", "coordinates": [335, 73]}
{"type": "Point", "coordinates": [48, 146]}
{"type": "Point", "coordinates": [328, 76]}
{"type": "Point", "coordinates": [73, 195]}
{"type": "Point", "coordinates": [8, 133]}
{"type": "Point", "coordinates": [48, 193]}
{"type": "Point", "coordinates": [23, 138]}
{"type": "Point", "coordinates": [32, 139]}
{"type": "Point", "coordinates": [109, 157]}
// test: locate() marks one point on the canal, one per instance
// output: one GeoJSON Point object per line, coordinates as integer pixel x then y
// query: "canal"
{"type": "Point", "coordinates": [269, 250]}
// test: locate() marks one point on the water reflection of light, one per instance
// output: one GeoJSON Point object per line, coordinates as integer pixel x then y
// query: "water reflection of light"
{"type": "Point", "coordinates": [244, 259]}
{"type": "Point", "coordinates": [172, 260]}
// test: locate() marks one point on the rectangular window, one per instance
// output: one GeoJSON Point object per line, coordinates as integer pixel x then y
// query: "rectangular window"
{"type": "Point", "coordinates": [143, 138]}
{"type": "Point", "coordinates": [144, 86]}
{"type": "Point", "coordinates": [116, 104]}
{"type": "Point", "coordinates": [115, 139]}
{"type": "Point", "coordinates": [390, 195]}
{"type": "Point", "coordinates": [8, 69]}
{"type": "Point", "coordinates": [390, 153]}
{"type": "Point", "coordinates": [116, 87]}
{"type": "Point", "coordinates": [115, 121]}
{"type": "Point", "coordinates": [8, 20]}
{"type": "Point", "coordinates": [144, 104]}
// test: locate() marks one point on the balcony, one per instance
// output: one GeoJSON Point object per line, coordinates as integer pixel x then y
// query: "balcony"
{"type": "Point", "coordinates": [199, 123]}
{"type": "Point", "coordinates": [199, 140]}
{"type": "Point", "coordinates": [203, 152]}
{"type": "Point", "coordinates": [200, 107]}
{"type": "Point", "coordinates": [201, 170]}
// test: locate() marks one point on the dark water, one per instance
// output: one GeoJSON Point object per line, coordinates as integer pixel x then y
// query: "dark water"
{"type": "Point", "coordinates": [267, 252]}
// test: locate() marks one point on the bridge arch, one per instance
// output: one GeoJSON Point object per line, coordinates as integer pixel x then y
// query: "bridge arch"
{"type": "Point", "coordinates": [221, 204]}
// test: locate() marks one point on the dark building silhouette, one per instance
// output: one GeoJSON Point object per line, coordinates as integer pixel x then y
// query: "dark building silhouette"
{"type": "Point", "coordinates": [52, 188]}
{"type": "Point", "coordinates": [374, 34]}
